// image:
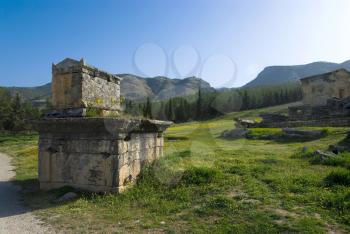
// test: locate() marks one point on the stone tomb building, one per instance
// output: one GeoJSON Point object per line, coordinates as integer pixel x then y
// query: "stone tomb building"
{"type": "Point", "coordinates": [98, 154]}
{"type": "Point", "coordinates": [319, 89]}
{"type": "Point", "coordinates": [326, 102]}
{"type": "Point", "coordinates": [325, 96]}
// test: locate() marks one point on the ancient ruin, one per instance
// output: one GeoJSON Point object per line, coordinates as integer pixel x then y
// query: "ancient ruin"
{"type": "Point", "coordinates": [326, 102]}
{"type": "Point", "coordinates": [320, 88]}
{"type": "Point", "coordinates": [84, 142]}
{"type": "Point", "coordinates": [78, 89]}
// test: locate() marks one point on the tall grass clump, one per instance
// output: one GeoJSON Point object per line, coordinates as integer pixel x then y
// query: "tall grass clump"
{"type": "Point", "coordinates": [339, 202]}
{"type": "Point", "coordinates": [338, 177]}
{"type": "Point", "coordinates": [199, 175]}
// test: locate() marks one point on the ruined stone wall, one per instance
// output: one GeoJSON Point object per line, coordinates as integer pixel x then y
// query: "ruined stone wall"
{"type": "Point", "coordinates": [331, 122]}
{"type": "Point", "coordinates": [318, 89]}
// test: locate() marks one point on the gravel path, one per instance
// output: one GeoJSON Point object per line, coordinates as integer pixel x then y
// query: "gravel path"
{"type": "Point", "coordinates": [14, 218]}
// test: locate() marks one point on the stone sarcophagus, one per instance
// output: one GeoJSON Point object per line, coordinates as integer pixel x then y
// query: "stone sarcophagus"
{"type": "Point", "coordinates": [78, 88]}
{"type": "Point", "coordinates": [98, 154]}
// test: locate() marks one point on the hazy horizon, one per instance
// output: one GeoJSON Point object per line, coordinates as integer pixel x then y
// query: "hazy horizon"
{"type": "Point", "coordinates": [226, 43]}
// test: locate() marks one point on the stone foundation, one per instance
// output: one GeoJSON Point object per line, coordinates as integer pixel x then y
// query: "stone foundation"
{"type": "Point", "coordinates": [96, 154]}
{"type": "Point", "coordinates": [336, 122]}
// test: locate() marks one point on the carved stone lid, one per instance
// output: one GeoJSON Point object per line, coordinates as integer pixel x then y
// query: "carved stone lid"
{"type": "Point", "coordinates": [96, 126]}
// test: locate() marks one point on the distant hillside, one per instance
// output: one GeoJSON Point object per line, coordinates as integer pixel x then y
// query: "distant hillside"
{"type": "Point", "coordinates": [159, 88]}
{"type": "Point", "coordinates": [132, 87]}
{"type": "Point", "coordinates": [33, 93]}
{"type": "Point", "coordinates": [275, 75]}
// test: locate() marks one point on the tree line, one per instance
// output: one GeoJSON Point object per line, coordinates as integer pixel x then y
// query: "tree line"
{"type": "Point", "coordinates": [15, 112]}
{"type": "Point", "coordinates": [206, 105]}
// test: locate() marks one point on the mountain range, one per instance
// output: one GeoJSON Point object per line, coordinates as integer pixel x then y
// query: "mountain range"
{"type": "Point", "coordinates": [276, 75]}
{"type": "Point", "coordinates": [159, 88]}
{"type": "Point", "coordinates": [132, 88]}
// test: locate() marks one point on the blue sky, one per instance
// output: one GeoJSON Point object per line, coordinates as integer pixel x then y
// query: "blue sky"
{"type": "Point", "coordinates": [227, 42]}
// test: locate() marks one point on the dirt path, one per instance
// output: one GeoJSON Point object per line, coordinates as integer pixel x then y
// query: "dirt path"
{"type": "Point", "coordinates": [14, 218]}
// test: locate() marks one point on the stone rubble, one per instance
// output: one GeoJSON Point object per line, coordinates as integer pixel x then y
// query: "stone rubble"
{"type": "Point", "coordinates": [67, 197]}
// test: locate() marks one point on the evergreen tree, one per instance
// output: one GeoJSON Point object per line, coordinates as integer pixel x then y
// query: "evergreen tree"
{"type": "Point", "coordinates": [17, 114]}
{"type": "Point", "coordinates": [199, 105]}
{"type": "Point", "coordinates": [148, 109]}
{"type": "Point", "coordinates": [161, 114]}
{"type": "Point", "coordinates": [170, 110]}
{"type": "Point", "coordinates": [245, 100]}
{"type": "Point", "coordinates": [212, 104]}
{"type": "Point", "coordinates": [5, 109]}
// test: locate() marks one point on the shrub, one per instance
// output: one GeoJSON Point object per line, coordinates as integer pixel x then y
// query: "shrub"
{"type": "Point", "coordinates": [334, 161]}
{"type": "Point", "coordinates": [306, 152]}
{"type": "Point", "coordinates": [339, 201]}
{"type": "Point", "coordinates": [221, 202]}
{"type": "Point", "coordinates": [93, 112]}
{"type": "Point", "coordinates": [235, 169]}
{"type": "Point", "coordinates": [218, 205]}
{"type": "Point", "coordinates": [339, 177]}
{"type": "Point", "coordinates": [341, 160]}
{"type": "Point", "coordinates": [199, 175]}
{"type": "Point", "coordinates": [325, 131]}
{"type": "Point", "coordinates": [264, 133]}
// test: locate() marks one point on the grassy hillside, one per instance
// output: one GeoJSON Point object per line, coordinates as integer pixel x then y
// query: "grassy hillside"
{"type": "Point", "coordinates": [206, 184]}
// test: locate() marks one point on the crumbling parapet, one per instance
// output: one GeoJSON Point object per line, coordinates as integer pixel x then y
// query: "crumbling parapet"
{"type": "Point", "coordinates": [98, 154]}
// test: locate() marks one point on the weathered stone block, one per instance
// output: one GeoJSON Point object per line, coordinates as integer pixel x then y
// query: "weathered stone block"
{"type": "Point", "coordinates": [96, 159]}
{"type": "Point", "coordinates": [78, 87]}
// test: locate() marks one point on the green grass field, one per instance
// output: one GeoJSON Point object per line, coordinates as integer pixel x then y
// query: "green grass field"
{"type": "Point", "coordinates": [206, 184]}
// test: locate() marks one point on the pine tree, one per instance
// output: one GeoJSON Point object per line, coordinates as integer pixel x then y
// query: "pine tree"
{"type": "Point", "coordinates": [199, 105]}
{"type": "Point", "coordinates": [148, 109]}
{"type": "Point", "coordinates": [171, 115]}
{"type": "Point", "coordinates": [161, 114]}
{"type": "Point", "coordinates": [245, 100]}
{"type": "Point", "coordinates": [17, 114]}
{"type": "Point", "coordinates": [5, 109]}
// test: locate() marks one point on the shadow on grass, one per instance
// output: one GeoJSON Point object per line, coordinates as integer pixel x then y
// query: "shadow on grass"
{"type": "Point", "coordinates": [281, 137]}
{"type": "Point", "coordinates": [345, 143]}
{"type": "Point", "coordinates": [23, 196]}
{"type": "Point", "coordinates": [286, 139]}
{"type": "Point", "coordinates": [276, 137]}
{"type": "Point", "coordinates": [176, 138]}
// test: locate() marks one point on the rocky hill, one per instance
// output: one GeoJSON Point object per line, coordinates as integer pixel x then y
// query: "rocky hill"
{"type": "Point", "coordinates": [275, 75]}
{"type": "Point", "coordinates": [135, 88]}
